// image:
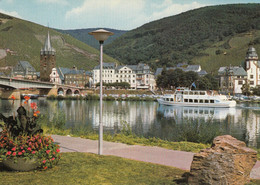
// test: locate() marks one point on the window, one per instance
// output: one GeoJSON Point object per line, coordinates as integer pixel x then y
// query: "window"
{"type": "Point", "coordinates": [195, 101]}
{"type": "Point", "coordinates": [211, 101]}
{"type": "Point", "coordinates": [251, 76]}
{"type": "Point", "coordinates": [206, 101]}
{"type": "Point", "coordinates": [190, 100]}
{"type": "Point", "coordinates": [185, 100]}
{"type": "Point", "coordinates": [201, 101]}
{"type": "Point", "coordinates": [251, 82]}
{"type": "Point", "coordinates": [240, 82]}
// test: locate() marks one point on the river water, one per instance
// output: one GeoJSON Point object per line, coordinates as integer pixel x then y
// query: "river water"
{"type": "Point", "coordinates": [149, 119]}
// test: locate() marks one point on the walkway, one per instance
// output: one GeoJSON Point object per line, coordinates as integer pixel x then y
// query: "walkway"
{"type": "Point", "coordinates": [178, 159]}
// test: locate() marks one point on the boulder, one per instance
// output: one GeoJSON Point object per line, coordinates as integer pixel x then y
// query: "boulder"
{"type": "Point", "coordinates": [228, 161]}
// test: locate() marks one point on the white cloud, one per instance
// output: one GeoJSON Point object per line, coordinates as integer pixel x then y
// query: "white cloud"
{"type": "Point", "coordinates": [124, 14]}
{"type": "Point", "coordinates": [168, 8]}
{"type": "Point", "coordinates": [61, 2]}
{"type": "Point", "coordinates": [12, 13]}
{"type": "Point", "coordinates": [121, 14]}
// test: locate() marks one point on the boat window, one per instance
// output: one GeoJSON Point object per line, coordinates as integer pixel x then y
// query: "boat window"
{"type": "Point", "coordinates": [191, 100]}
{"type": "Point", "coordinates": [196, 111]}
{"type": "Point", "coordinates": [211, 101]}
{"type": "Point", "coordinates": [185, 100]}
{"type": "Point", "coordinates": [206, 101]}
{"type": "Point", "coordinates": [195, 101]}
{"type": "Point", "coordinates": [201, 111]}
{"type": "Point", "coordinates": [206, 112]}
{"type": "Point", "coordinates": [167, 99]}
{"type": "Point", "coordinates": [190, 111]}
{"type": "Point", "coordinates": [185, 92]}
{"type": "Point", "coordinates": [186, 111]}
{"type": "Point", "coordinates": [196, 93]}
{"type": "Point", "coordinates": [190, 93]}
{"type": "Point", "coordinates": [201, 101]}
{"type": "Point", "coordinates": [171, 99]}
{"type": "Point", "coordinates": [202, 93]}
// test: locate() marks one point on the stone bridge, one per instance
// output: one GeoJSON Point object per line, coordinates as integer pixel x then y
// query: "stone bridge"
{"type": "Point", "coordinates": [14, 86]}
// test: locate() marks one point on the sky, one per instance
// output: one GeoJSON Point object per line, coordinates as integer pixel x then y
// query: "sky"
{"type": "Point", "coordinates": [116, 14]}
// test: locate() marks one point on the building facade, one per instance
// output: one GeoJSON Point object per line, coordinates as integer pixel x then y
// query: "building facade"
{"type": "Point", "coordinates": [47, 60]}
{"type": "Point", "coordinates": [72, 77]}
{"type": "Point", "coordinates": [24, 70]}
{"type": "Point", "coordinates": [138, 76]}
{"type": "Point", "coordinates": [252, 67]}
{"type": "Point", "coordinates": [232, 79]}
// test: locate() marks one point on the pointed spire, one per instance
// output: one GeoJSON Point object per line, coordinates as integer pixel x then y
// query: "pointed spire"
{"type": "Point", "coordinates": [47, 46]}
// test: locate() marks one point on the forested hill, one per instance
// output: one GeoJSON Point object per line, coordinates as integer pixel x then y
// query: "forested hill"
{"type": "Point", "coordinates": [82, 35]}
{"type": "Point", "coordinates": [210, 36]}
{"type": "Point", "coordinates": [23, 40]}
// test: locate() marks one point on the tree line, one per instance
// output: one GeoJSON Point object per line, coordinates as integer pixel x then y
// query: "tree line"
{"type": "Point", "coordinates": [170, 79]}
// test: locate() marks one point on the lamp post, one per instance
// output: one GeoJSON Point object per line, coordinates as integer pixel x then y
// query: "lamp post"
{"type": "Point", "coordinates": [101, 35]}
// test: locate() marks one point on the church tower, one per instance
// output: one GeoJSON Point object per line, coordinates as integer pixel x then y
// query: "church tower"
{"type": "Point", "coordinates": [252, 67]}
{"type": "Point", "coordinates": [47, 60]}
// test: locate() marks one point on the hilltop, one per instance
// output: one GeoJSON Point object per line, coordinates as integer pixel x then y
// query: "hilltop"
{"type": "Point", "coordinates": [82, 35]}
{"type": "Point", "coordinates": [23, 40]}
{"type": "Point", "coordinates": [211, 36]}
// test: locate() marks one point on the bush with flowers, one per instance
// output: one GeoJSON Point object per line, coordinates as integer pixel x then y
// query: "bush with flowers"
{"type": "Point", "coordinates": [22, 138]}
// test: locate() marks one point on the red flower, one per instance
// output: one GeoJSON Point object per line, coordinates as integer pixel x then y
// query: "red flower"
{"type": "Point", "coordinates": [23, 151]}
{"type": "Point", "coordinates": [58, 150]}
{"type": "Point", "coordinates": [14, 154]}
{"type": "Point", "coordinates": [29, 149]}
{"type": "Point", "coordinates": [45, 167]}
{"type": "Point", "coordinates": [44, 161]}
{"type": "Point", "coordinates": [33, 152]}
{"type": "Point", "coordinates": [33, 105]}
{"type": "Point", "coordinates": [8, 153]}
{"type": "Point", "coordinates": [12, 97]}
{"type": "Point", "coordinates": [53, 159]}
{"type": "Point", "coordinates": [48, 151]}
{"type": "Point", "coordinates": [20, 153]}
{"type": "Point", "coordinates": [13, 149]}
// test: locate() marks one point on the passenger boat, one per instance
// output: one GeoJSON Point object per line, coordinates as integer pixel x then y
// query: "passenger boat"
{"type": "Point", "coordinates": [187, 97]}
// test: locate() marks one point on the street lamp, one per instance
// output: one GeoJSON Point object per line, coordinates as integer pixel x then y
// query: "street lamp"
{"type": "Point", "coordinates": [101, 35]}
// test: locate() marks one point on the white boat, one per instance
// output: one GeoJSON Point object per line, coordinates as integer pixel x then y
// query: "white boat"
{"type": "Point", "coordinates": [186, 97]}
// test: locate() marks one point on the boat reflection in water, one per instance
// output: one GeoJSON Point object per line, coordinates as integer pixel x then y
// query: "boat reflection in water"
{"type": "Point", "coordinates": [205, 113]}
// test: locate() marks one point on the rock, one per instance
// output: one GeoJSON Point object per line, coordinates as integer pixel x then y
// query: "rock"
{"type": "Point", "coordinates": [228, 161]}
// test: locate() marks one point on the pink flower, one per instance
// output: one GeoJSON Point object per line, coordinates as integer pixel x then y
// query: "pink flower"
{"type": "Point", "coordinates": [14, 154]}
{"type": "Point", "coordinates": [13, 149]}
{"type": "Point", "coordinates": [23, 151]}
{"type": "Point", "coordinates": [8, 153]}
{"type": "Point", "coordinates": [58, 150]}
{"type": "Point", "coordinates": [20, 153]}
{"type": "Point", "coordinates": [53, 159]}
{"type": "Point", "coordinates": [48, 151]}
{"type": "Point", "coordinates": [21, 147]}
{"type": "Point", "coordinates": [44, 161]}
{"type": "Point", "coordinates": [29, 149]}
{"type": "Point", "coordinates": [33, 152]}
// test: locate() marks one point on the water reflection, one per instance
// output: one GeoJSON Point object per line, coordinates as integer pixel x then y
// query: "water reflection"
{"type": "Point", "coordinates": [148, 119]}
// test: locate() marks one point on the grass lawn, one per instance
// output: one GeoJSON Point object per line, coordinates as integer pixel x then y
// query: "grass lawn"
{"type": "Point", "coordinates": [84, 168]}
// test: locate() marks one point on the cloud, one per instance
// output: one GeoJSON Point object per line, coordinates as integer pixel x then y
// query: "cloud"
{"type": "Point", "coordinates": [168, 8]}
{"type": "Point", "coordinates": [12, 13]}
{"type": "Point", "coordinates": [103, 13]}
{"type": "Point", "coordinates": [60, 2]}
{"type": "Point", "coordinates": [124, 14]}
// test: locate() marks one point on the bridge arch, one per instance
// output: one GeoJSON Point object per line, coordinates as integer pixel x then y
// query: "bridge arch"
{"type": "Point", "coordinates": [60, 91]}
{"type": "Point", "coordinates": [76, 92]}
{"type": "Point", "coordinates": [68, 92]}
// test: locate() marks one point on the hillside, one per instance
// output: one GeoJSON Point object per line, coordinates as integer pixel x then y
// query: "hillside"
{"type": "Point", "coordinates": [24, 41]}
{"type": "Point", "coordinates": [82, 35]}
{"type": "Point", "coordinates": [210, 36]}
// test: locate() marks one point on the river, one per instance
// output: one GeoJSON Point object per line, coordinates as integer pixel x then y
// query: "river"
{"type": "Point", "coordinates": [149, 119]}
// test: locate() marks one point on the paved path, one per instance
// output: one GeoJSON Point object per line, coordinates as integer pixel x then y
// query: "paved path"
{"type": "Point", "coordinates": [156, 155]}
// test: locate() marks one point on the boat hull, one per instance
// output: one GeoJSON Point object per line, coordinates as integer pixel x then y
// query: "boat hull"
{"type": "Point", "coordinates": [187, 104]}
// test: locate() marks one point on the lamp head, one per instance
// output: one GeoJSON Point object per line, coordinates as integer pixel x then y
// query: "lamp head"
{"type": "Point", "coordinates": [101, 35]}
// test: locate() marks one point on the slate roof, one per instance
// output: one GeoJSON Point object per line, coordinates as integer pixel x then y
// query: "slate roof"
{"type": "Point", "coordinates": [25, 65]}
{"type": "Point", "coordinates": [106, 66]}
{"type": "Point", "coordinates": [234, 70]}
{"type": "Point", "coordinates": [251, 53]}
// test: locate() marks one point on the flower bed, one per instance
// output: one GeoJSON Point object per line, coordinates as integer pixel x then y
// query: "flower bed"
{"type": "Point", "coordinates": [21, 138]}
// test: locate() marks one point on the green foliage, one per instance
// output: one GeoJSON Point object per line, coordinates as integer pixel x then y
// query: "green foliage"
{"type": "Point", "coordinates": [193, 36]}
{"type": "Point", "coordinates": [25, 39]}
{"type": "Point", "coordinates": [124, 85]}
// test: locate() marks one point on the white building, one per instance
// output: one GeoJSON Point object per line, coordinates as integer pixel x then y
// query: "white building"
{"type": "Point", "coordinates": [252, 67]}
{"type": "Point", "coordinates": [138, 76]}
